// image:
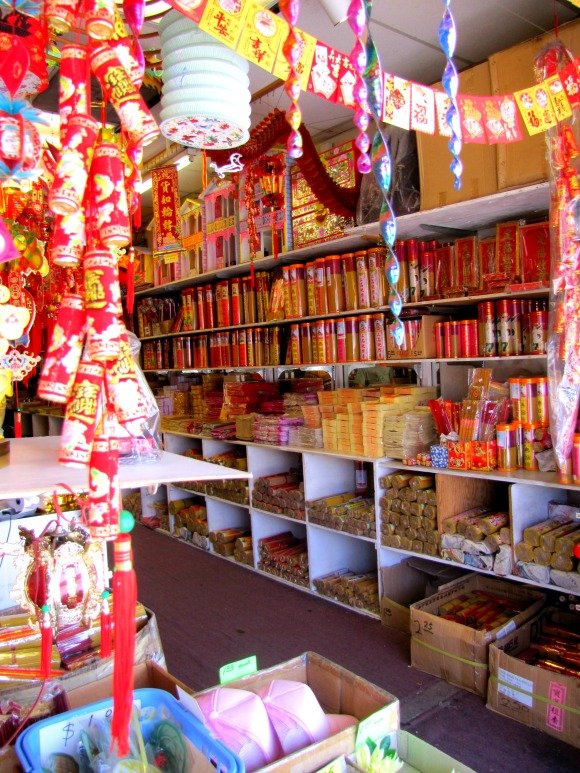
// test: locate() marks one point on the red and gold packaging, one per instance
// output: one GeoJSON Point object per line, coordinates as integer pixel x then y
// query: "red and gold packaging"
{"type": "Point", "coordinates": [68, 239]}
{"type": "Point", "coordinates": [362, 279]}
{"type": "Point", "coordinates": [64, 351]}
{"type": "Point", "coordinates": [237, 306]}
{"type": "Point", "coordinates": [377, 278]}
{"type": "Point", "coordinates": [466, 263]}
{"type": "Point", "coordinates": [427, 278]}
{"type": "Point", "coordinates": [334, 289]}
{"type": "Point", "coordinates": [487, 259]}
{"type": "Point", "coordinates": [330, 340]}
{"type": "Point", "coordinates": [535, 252]}
{"type": "Point", "coordinates": [508, 260]}
{"type": "Point", "coordinates": [310, 270]}
{"type": "Point", "coordinates": [306, 343]}
{"type": "Point", "coordinates": [379, 336]}
{"type": "Point", "coordinates": [468, 338]}
{"type": "Point", "coordinates": [243, 348]}
{"type": "Point", "coordinates": [459, 455]}
{"type": "Point", "coordinates": [486, 329]}
{"type": "Point", "coordinates": [61, 15]}
{"type": "Point", "coordinates": [99, 18]}
{"type": "Point", "coordinates": [72, 96]}
{"type": "Point", "coordinates": [366, 338]}
{"type": "Point", "coordinates": [413, 268]}
{"type": "Point", "coordinates": [109, 197]}
{"type": "Point", "coordinates": [321, 295]}
{"type": "Point", "coordinates": [104, 491]}
{"type": "Point", "coordinates": [136, 119]}
{"type": "Point", "coordinates": [349, 282]}
{"type": "Point", "coordinates": [483, 455]}
{"type": "Point", "coordinates": [439, 332]}
{"type": "Point", "coordinates": [295, 343]}
{"type": "Point", "coordinates": [209, 306]}
{"type": "Point", "coordinates": [403, 283]}
{"type": "Point", "coordinates": [340, 340]}
{"type": "Point", "coordinates": [82, 414]}
{"type": "Point", "coordinates": [72, 170]}
{"type": "Point", "coordinates": [103, 305]}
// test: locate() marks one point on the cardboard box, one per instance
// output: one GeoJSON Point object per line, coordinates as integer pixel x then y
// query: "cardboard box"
{"type": "Point", "coordinates": [455, 652]}
{"type": "Point", "coordinates": [405, 583]}
{"type": "Point", "coordinates": [420, 335]}
{"type": "Point", "coordinates": [532, 695]}
{"type": "Point", "coordinates": [525, 162]}
{"type": "Point", "coordinates": [147, 647]}
{"type": "Point", "coordinates": [339, 691]}
{"type": "Point", "coordinates": [417, 755]}
{"type": "Point", "coordinates": [145, 674]}
{"type": "Point", "coordinates": [479, 176]}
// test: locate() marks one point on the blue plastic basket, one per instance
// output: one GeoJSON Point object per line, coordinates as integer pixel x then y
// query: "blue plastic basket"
{"type": "Point", "coordinates": [60, 733]}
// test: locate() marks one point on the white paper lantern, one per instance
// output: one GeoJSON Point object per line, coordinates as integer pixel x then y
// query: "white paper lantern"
{"type": "Point", "coordinates": [205, 101]}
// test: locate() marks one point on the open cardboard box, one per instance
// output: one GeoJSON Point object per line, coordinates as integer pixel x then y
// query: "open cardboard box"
{"type": "Point", "coordinates": [409, 581]}
{"type": "Point", "coordinates": [539, 698]}
{"type": "Point", "coordinates": [415, 754]}
{"type": "Point", "coordinates": [339, 691]}
{"type": "Point", "coordinates": [456, 652]}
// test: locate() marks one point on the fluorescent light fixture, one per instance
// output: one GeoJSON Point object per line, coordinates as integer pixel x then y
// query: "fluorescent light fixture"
{"type": "Point", "coordinates": [147, 181]}
{"type": "Point", "coordinates": [336, 10]}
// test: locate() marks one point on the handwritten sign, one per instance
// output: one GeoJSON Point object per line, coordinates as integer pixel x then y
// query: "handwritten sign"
{"type": "Point", "coordinates": [238, 669]}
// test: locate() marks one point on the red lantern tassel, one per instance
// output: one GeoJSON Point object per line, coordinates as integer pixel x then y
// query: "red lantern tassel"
{"type": "Point", "coordinates": [106, 628]}
{"type": "Point", "coordinates": [124, 603]}
{"type": "Point", "coordinates": [45, 643]}
{"type": "Point", "coordinates": [131, 281]}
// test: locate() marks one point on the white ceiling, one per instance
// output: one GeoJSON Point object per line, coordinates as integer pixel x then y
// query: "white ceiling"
{"type": "Point", "coordinates": [406, 35]}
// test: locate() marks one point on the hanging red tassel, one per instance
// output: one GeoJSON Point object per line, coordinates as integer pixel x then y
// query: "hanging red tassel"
{"type": "Point", "coordinates": [45, 642]}
{"type": "Point", "coordinates": [124, 603]}
{"type": "Point", "coordinates": [131, 281]}
{"type": "Point", "coordinates": [106, 628]}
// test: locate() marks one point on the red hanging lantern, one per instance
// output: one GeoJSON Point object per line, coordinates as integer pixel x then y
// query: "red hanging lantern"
{"type": "Point", "coordinates": [20, 147]}
{"type": "Point", "coordinates": [271, 174]}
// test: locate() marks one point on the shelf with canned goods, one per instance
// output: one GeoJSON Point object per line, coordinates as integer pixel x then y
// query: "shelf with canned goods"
{"type": "Point", "coordinates": [531, 202]}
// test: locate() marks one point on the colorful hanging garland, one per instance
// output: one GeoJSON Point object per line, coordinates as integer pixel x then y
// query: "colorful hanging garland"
{"type": "Point", "coordinates": [357, 18]}
{"type": "Point", "coordinates": [290, 10]}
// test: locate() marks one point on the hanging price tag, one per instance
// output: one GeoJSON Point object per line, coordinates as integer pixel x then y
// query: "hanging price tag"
{"type": "Point", "coordinates": [238, 669]}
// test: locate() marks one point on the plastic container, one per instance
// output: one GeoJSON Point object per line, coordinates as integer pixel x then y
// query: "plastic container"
{"type": "Point", "coordinates": [42, 738]}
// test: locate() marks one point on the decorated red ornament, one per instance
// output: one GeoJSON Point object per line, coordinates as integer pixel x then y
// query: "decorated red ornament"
{"type": "Point", "coordinates": [104, 491]}
{"type": "Point", "coordinates": [103, 305]}
{"type": "Point", "coordinates": [99, 18]}
{"type": "Point", "coordinates": [73, 97]}
{"type": "Point", "coordinates": [109, 199]}
{"type": "Point", "coordinates": [82, 413]}
{"type": "Point", "coordinates": [72, 171]}
{"type": "Point", "coordinates": [124, 392]}
{"type": "Point", "coordinates": [136, 120]}
{"type": "Point", "coordinates": [68, 240]}
{"type": "Point", "coordinates": [14, 65]}
{"type": "Point", "coordinates": [64, 351]}
{"type": "Point", "coordinates": [20, 147]}
{"type": "Point", "coordinates": [61, 14]}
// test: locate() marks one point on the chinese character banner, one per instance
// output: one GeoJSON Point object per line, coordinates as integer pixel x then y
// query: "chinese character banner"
{"type": "Point", "coordinates": [166, 208]}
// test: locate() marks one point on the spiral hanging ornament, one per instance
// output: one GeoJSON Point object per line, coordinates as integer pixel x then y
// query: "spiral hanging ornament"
{"type": "Point", "coordinates": [290, 10]}
{"type": "Point", "coordinates": [382, 170]}
{"type": "Point", "coordinates": [450, 81]}
{"type": "Point", "coordinates": [358, 20]}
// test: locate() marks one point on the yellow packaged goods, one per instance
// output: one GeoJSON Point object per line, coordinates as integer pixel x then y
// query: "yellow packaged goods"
{"type": "Point", "coordinates": [524, 552]}
{"type": "Point", "coordinates": [549, 540]}
{"type": "Point", "coordinates": [422, 482]}
{"type": "Point", "coordinates": [533, 534]}
{"type": "Point", "coordinates": [566, 543]}
{"type": "Point", "coordinates": [476, 611]}
{"type": "Point", "coordinates": [452, 525]}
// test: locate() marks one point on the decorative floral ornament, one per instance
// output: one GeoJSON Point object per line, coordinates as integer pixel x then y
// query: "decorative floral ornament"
{"type": "Point", "coordinates": [450, 82]}
{"type": "Point", "coordinates": [358, 20]}
{"type": "Point", "coordinates": [382, 169]}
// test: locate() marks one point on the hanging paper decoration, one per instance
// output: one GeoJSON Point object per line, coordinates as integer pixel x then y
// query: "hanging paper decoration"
{"type": "Point", "coordinates": [74, 163]}
{"type": "Point", "coordinates": [64, 353]}
{"type": "Point", "coordinates": [450, 82]}
{"type": "Point", "coordinates": [109, 197]}
{"type": "Point", "coordinates": [206, 99]}
{"type": "Point", "coordinates": [382, 169]}
{"type": "Point", "coordinates": [68, 239]}
{"type": "Point", "coordinates": [290, 10]}
{"type": "Point", "coordinates": [20, 147]}
{"type": "Point", "coordinates": [166, 216]}
{"type": "Point", "coordinates": [23, 42]}
{"type": "Point", "coordinates": [61, 14]}
{"type": "Point", "coordinates": [357, 18]}
{"type": "Point", "coordinates": [73, 97]}
{"type": "Point", "coordinates": [563, 347]}
{"type": "Point", "coordinates": [99, 18]}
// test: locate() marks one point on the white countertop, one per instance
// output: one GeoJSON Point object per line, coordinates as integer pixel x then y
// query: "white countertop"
{"type": "Point", "coordinates": [34, 469]}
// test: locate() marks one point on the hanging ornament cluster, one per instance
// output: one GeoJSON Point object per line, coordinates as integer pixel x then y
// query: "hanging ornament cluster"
{"type": "Point", "coordinates": [290, 10]}
{"type": "Point", "coordinates": [205, 99]}
{"type": "Point", "coordinates": [357, 18]}
{"type": "Point", "coordinates": [450, 82]}
{"type": "Point", "coordinates": [563, 143]}
{"type": "Point", "coordinates": [382, 170]}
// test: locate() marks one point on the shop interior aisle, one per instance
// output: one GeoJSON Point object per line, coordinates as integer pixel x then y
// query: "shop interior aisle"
{"type": "Point", "coordinates": [211, 612]}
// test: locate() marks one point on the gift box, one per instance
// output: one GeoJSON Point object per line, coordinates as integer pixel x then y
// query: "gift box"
{"type": "Point", "coordinates": [483, 455]}
{"type": "Point", "coordinates": [459, 455]}
{"type": "Point", "coordinates": [535, 252]}
{"type": "Point", "coordinates": [439, 456]}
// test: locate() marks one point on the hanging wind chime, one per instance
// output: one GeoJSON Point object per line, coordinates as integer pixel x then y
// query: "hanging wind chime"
{"type": "Point", "coordinates": [358, 19]}
{"type": "Point", "coordinates": [450, 82]}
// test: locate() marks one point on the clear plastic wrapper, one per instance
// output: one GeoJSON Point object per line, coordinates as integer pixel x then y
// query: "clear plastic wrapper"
{"type": "Point", "coordinates": [405, 179]}
{"type": "Point", "coordinates": [145, 445]}
{"type": "Point", "coordinates": [563, 347]}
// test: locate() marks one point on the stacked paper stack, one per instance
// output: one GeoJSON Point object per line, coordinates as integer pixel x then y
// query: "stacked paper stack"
{"type": "Point", "coordinates": [241, 397]}
{"type": "Point", "coordinates": [305, 437]}
{"type": "Point", "coordinates": [312, 416]}
{"type": "Point", "coordinates": [373, 418]}
{"type": "Point", "coordinates": [329, 430]}
{"type": "Point", "coordinates": [359, 590]}
{"type": "Point", "coordinates": [245, 426]}
{"type": "Point", "coordinates": [294, 402]}
{"type": "Point", "coordinates": [275, 429]}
